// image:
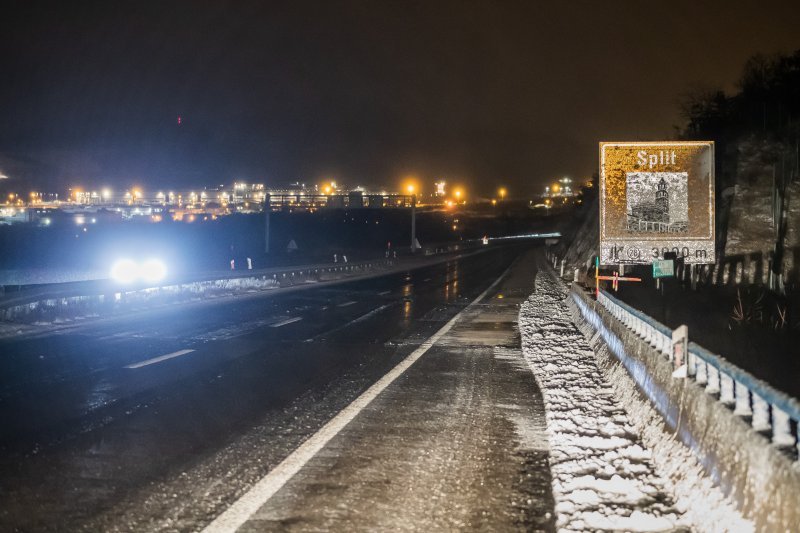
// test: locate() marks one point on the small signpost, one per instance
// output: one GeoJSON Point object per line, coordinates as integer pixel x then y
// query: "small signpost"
{"type": "Point", "coordinates": [680, 344]}
{"type": "Point", "coordinates": [663, 268]}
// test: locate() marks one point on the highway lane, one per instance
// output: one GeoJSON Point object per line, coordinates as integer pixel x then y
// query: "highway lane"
{"type": "Point", "coordinates": [100, 420]}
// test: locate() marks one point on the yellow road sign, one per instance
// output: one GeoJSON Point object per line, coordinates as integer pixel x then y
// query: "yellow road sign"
{"type": "Point", "coordinates": [656, 198]}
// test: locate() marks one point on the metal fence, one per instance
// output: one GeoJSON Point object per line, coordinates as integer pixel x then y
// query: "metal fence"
{"type": "Point", "coordinates": [767, 410]}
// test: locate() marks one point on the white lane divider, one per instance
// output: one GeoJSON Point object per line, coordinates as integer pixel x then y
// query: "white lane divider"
{"type": "Point", "coordinates": [243, 508]}
{"type": "Point", "coordinates": [384, 293]}
{"type": "Point", "coordinates": [354, 321]}
{"type": "Point", "coordinates": [287, 321]}
{"type": "Point", "coordinates": [160, 358]}
{"type": "Point", "coordinates": [351, 302]}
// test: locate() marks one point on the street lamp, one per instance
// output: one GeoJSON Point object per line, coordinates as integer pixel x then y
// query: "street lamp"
{"type": "Point", "coordinates": [502, 193]}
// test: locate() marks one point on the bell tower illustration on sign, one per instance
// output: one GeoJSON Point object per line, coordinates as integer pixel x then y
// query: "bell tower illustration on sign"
{"type": "Point", "coordinates": [662, 199]}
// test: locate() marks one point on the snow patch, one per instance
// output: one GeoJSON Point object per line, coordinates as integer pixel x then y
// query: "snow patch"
{"type": "Point", "coordinates": [603, 476]}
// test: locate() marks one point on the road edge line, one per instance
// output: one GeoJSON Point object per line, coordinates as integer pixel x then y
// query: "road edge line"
{"type": "Point", "coordinates": [251, 501]}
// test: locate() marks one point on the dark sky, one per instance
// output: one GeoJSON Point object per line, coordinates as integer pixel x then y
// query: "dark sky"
{"type": "Point", "coordinates": [485, 93]}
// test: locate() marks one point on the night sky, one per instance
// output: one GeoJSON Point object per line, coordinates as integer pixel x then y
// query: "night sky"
{"type": "Point", "coordinates": [366, 92]}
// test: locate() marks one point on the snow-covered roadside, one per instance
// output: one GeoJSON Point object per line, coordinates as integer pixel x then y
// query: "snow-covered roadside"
{"type": "Point", "coordinates": [707, 508]}
{"type": "Point", "coordinates": [603, 477]}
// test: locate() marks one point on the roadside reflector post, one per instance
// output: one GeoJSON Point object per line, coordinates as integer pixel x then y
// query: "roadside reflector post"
{"type": "Point", "coordinates": [680, 342]}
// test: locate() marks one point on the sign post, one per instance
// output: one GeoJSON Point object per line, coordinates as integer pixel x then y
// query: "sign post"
{"type": "Point", "coordinates": [656, 198]}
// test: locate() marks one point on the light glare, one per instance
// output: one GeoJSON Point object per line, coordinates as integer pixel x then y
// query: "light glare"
{"type": "Point", "coordinates": [153, 270]}
{"type": "Point", "coordinates": [125, 271]}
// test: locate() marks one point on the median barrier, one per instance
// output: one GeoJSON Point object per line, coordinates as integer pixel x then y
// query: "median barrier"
{"type": "Point", "coordinates": [116, 300]}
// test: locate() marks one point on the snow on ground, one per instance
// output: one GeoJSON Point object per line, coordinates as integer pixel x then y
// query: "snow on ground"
{"type": "Point", "coordinates": [706, 506]}
{"type": "Point", "coordinates": [603, 477]}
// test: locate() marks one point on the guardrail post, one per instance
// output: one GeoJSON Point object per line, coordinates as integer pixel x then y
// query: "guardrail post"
{"type": "Point", "coordinates": [712, 386]}
{"type": "Point", "coordinates": [798, 440]}
{"type": "Point", "coordinates": [726, 389]}
{"type": "Point", "coordinates": [781, 430]}
{"type": "Point", "coordinates": [702, 373]}
{"type": "Point", "coordinates": [691, 361]}
{"type": "Point", "coordinates": [760, 413]}
{"type": "Point", "coordinates": [742, 400]}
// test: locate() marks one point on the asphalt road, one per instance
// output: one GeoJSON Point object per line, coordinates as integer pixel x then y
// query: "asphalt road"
{"type": "Point", "coordinates": [126, 423]}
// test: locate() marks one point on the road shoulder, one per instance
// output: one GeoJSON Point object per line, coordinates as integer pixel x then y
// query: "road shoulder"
{"type": "Point", "coordinates": [456, 441]}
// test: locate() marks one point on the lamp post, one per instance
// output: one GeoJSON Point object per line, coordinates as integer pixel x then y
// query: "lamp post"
{"type": "Point", "coordinates": [266, 222]}
{"type": "Point", "coordinates": [413, 221]}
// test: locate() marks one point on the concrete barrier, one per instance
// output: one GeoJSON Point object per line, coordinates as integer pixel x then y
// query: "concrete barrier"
{"type": "Point", "coordinates": [738, 427]}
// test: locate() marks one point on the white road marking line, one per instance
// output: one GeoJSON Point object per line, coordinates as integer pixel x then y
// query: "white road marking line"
{"type": "Point", "coordinates": [287, 321]}
{"type": "Point", "coordinates": [160, 358]}
{"type": "Point", "coordinates": [351, 302]}
{"type": "Point", "coordinates": [243, 508]}
{"type": "Point", "coordinates": [384, 293]}
{"type": "Point", "coordinates": [426, 279]}
{"type": "Point", "coordinates": [121, 334]}
{"type": "Point", "coordinates": [354, 321]}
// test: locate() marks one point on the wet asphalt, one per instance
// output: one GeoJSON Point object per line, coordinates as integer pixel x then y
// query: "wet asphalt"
{"type": "Point", "coordinates": [157, 421]}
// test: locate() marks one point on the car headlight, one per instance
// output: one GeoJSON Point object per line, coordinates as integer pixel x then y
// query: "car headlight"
{"type": "Point", "coordinates": [129, 271]}
{"type": "Point", "coordinates": [153, 270]}
{"type": "Point", "coordinates": [125, 271]}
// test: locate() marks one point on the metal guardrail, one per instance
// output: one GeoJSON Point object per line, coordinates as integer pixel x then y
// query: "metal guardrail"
{"type": "Point", "coordinates": [768, 410]}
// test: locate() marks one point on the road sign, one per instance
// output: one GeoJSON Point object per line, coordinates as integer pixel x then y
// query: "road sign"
{"type": "Point", "coordinates": [656, 198]}
{"type": "Point", "coordinates": [663, 268]}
